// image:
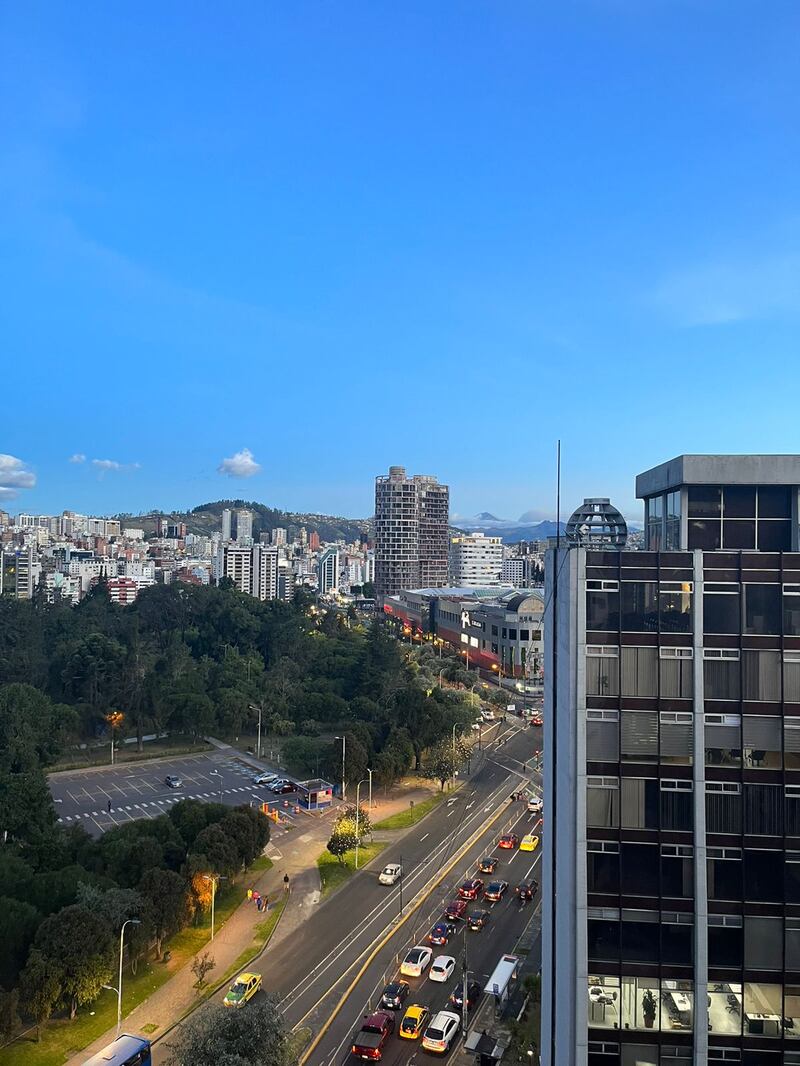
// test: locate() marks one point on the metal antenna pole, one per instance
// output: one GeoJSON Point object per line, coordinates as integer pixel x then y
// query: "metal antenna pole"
{"type": "Point", "coordinates": [554, 745]}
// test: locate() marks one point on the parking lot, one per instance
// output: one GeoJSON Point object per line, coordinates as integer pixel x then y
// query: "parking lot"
{"type": "Point", "coordinates": [102, 799]}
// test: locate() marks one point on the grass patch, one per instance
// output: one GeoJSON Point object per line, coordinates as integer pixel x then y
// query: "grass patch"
{"type": "Point", "coordinates": [404, 819]}
{"type": "Point", "coordinates": [298, 1042]}
{"type": "Point", "coordinates": [61, 1038]}
{"type": "Point", "coordinates": [153, 749]}
{"type": "Point", "coordinates": [333, 873]}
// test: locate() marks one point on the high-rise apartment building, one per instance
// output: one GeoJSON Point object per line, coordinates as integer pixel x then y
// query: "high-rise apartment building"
{"type": "Point", "coordinates": [264, 572]}
{"type": "Point", "coordinates": [411, 532]}
{"type": "Point", "coordinates": [244, 526]}
{"type": "Point", "coordinates": [226, 523]}
{"type": "Point", "coordinates": [279, 536]}
{"type": "Point", "coordinates": [475, 560]}
{"type": "Point", "coordinates": [328, 571]}
{"type": "Point", "coordinates": [671, 866]}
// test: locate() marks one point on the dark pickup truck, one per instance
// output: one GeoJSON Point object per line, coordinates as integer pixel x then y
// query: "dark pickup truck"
{"type": "Point", "coordinates": [369, 1041]}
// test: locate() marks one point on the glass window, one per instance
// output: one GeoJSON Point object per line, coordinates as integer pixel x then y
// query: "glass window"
{"type": "Point", "coordinates": [640, 936]}
{"type": "Point", "coordinates": [676, 673]}
{"type": "Point", "coordinates": [677, 809]}
{"type": "Point", "coordinates": [763, 948]}
{"type": "Point", "coordinates": [740, 501]}
{"type": "Point", "coordinates": [791, 677]}
{"type": "Point", "coordinates": [739, 534]}
{"type": "Point", "coordinates": [604, 1002]}
{"type": "Point", "coordinates": [639, 602]}
{"type": "Point", "coordinates": [763, 1005]}
{"type": "Point", "coordinates": [602, 671]}
{"type": "Point", "coordinates": [677, 939]}
{"type": "Point", "coordinates": [525, 634]}
{"type": "Point", "coordinates": [763, 875]}
{"type": "Point", "coordinates": [602, 938]}
{"type": "Point", "coordinates": [761, 675]}
{"type": "Point", "coordinates": [725, 940]}
{"type": "Point", "coordinates": [639, 736]}
{"type": "Point", "coordinates": [602, 611]}
{"type": "Point", "coordinates": [761, 742]}
{"type": "Point", "coordinates": [705, 501]}
{"type": "Point", "coordinates": [639, 803]}
{"type": "Point", "coordinates": [602, 802]}
{"type": "Point", "coordinates": [639, 864]}
{"type": "Point", "coordinates": [792, 943]}
{"type": "Point", "coordinates": [675, 606]}
{"type": "Point", "coordinates": [723, 739]}
{"type": "Point", "coordinates": [791, 1017]}
{"type": "Point", "coordinates": [721, 674]}
{"type": "Point", "coordinates": [641, 1007]}
{"type": "Point", "coordinates": [763, 809]}
{"type": "Point", "coordinates": [774, 536]}
{"type": "Point", "coordinates": [721, 609]}
{"type": "Point", "coordinates": [723, 807]}
{"type": "Point", "coordinates": [677, 737]}
{"type": "Point", "coordinates": [602, 866]}
{"type": "Point", "coordinates": [705, 534]}
{"type": "Point", "coordinates": [602, 736]}
{"type": "Point", "coordinates": [791, 811]}
{"type": "Point", "coordinates": [762, 609]}
{"type": "Point", "coordinates": [639, 673]}
{"type": "Point", "coordinates": [791, 871]}
{"type": "Point", "coordinates": [725, 998]}
{"type": "Point", "coordinates": [639, 1055]}
{"type": "Point", "coordinates": [791, 610]}
{"type": "Point", "coordinates": [774, 501]}
{"type": "Point", "coordinates": [791, 743]}
{"type": "Point", "coordinates": [724, 871]}
{"type": "Point", "coordinates": [677, 998]}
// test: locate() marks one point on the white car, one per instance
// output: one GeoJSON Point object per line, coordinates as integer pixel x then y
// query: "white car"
{"type": "Point", "coordinates": [535, 805]}
{"type": "Point", "coordinates": [390, 874]}
{"type": "Point", "coordinates": [265, 779]}
{"type": "Point", "coordinates": [487, 716]}
{"type": "Point", "coordinates": [441, 1031]}
{"type": "Point", "coordinates": [443, 966]}
{"type": "Point", "coordinates": [416, 961]}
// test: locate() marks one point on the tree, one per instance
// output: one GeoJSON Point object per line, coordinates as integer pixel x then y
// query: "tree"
{"type": "Point", "coordinates": [40, 987]}
{"type": "Point", "coordinates": [442, 762]}
{"type": "Point", "coordinates": [341, 842]}
{"type": "Point", "coordinates": [80, 946]}
{"type": "Point", "coordinates": [202, 966]}
{"type": "Point", "coordinates": [168, 897]}
{"type": "Point", "coordinates": [346, 822]}
{"type": "Point", "coordinates": [26, 806]}
{"type": "Point", "coordinates": [18, 924]}
{"type": "Point", "coordinates": [219, 1037]}
{"type": "Point", "coordinates": [9, 1013]}
{"type": "Point", "coordinates": [222, 856]}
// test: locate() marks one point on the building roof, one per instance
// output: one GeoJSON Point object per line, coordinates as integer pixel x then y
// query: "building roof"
{"type": "Point", "coordinates": [719, 470]}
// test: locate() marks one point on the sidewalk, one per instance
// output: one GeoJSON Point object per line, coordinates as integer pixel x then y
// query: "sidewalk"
{"type": "Point", "coordinates": [294, 853]}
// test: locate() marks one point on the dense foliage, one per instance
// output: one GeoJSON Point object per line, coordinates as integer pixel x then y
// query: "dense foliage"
{"type": "Point", "coordinates": [208, 516]}
{"type": "Point", "coordinates": [218, 1037]}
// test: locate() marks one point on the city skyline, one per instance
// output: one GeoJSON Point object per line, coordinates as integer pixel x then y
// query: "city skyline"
{"type": "Point", "coordinates": [428, 195]}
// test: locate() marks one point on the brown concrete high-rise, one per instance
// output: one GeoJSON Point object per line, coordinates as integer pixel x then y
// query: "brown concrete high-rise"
{"type": "Point", "coordinates": [412, 519]}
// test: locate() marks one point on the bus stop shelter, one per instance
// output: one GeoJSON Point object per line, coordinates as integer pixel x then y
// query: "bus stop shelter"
{"type": "Point", "coordinates": [503, 978]}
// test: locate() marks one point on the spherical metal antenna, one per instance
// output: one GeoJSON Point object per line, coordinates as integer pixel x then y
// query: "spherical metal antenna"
{"type": "Point", "coordinates": [597, 524]}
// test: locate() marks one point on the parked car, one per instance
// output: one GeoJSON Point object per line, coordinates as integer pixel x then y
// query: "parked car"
{"type": "Point", "coordinates": [282, 787]}
{"type": "Point", "coordinates": [173, 781]}
{"type": "Point", "coordinates": [265, 779]}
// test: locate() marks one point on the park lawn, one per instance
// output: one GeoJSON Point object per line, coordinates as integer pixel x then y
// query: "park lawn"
{"type": "Point", "coordinates": [404, 819]}
{"type": "Point", "coordinates": [333, 873]}
{"type": "Point", "coordinates": [62, 1038]}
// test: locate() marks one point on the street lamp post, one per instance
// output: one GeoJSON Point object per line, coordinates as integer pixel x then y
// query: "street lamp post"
{"type": "Point", "coordinates": [118, 989]}
{"type": "Point", "coordinates": [258, 743]}
{"type": "Point", "coordinates": [358, 812]}
{"type": "Point", "coordinates": [213, 878]}
{"type": "Point", "coordinates": [370, 789]}
{"type": "Point", "coordinates": [344, 748]}
{"type": "Point", "coordinates": [454, 754]}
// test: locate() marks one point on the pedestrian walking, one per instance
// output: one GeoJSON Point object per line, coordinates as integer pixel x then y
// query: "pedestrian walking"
{"type": "Point", "coordinates": [259, 904]}
{"type": "Point", "coordinates": [285, 882]}
{"type": "Point", "coordinates": [109, 806]}
{"type": "Point", "coordinates": [249, 894]}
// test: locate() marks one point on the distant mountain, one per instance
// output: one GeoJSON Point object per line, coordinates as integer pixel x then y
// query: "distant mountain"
{"type": "Point", "coordinates": [486, 516]}
{"type": "Point", "coordinates": [207, 519]}
{"type": "Point", "coordinates": [509, 530]}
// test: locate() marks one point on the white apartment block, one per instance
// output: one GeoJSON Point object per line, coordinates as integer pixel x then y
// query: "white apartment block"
{"type": "Point", "coordinates": [475, 560]}
{"type": "Point", "coordinates": [328, 571]}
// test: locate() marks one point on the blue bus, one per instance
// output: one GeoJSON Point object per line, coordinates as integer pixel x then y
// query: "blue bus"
{"type": "Point", "coordinates": [124, 1051]}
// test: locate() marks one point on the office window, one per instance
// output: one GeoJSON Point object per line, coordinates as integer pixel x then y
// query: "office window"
{"type": "Point", "coordinates": [639, 736]}
{"type": "Point", "coordinates": [740, 501]}
{"type": "Point", "coordinates": [512, 634]}
{"type": "Point", "coordinates": [761, 675]}
{"type": "Point", "coordinates": [672, 528]}
{"type": "Point", "coordinates": [723, 807]}
{"type": "Point", "coordinates": [677, 812]}
{"type": "Point", "coordinates": [763, 875]}
{"type": "Point", "coordinates": [654, 519]}
{"type": "Point", "coordinates": [763, 947]}
{"type": "Point", "coordinates": [677, 998]}
{"type": "Point", "coordinates": [639, 864]}
{"type": "Point", "coordinates": [761, 742]}
{"type": "Point", "coordinates": [791, 610]}
{"type": "Point", "coordinates": [602, 670]}
{"type": "Point", "coordinates": [791, 810]}
{"type": "Point", "coordinates": [640, 935]}
{"type": "Point", "coordinates": [602, 736]}
{"type": "Point", "coordinates": [602, 933]}
{"type": "Point", "coordinates": [639, 672]}
{"type": "Point", "coordinates": [725, 941]}
{"type": "Point", "coordinates": [705, 501]}
{"type": "Point", "coordinates": [602, 866]}
{"type": "Point", "coordinates": [677, 938]}
{"type": "Point", "coordinates": [639, 605]}
{"type": "Point", "coordinates": [638, 995]}
{"type": "Point", "coordinates": [677, 737]}
{"type": "Point", "coordinates": [525, 634]}
{"type": "Point", "coordinates": [791, 676]}
{"type": "Point", "coordinates": [604, 1001]}
{"type": "Point", "coordinates": [676, 667]}
{"type": "Point", "coordinates": [763, 810]}
{"type": "Point", "coordinates": [774, 501]}
{"type": "Point", "coordinates": [739, 534]}
{"type": "Point", "coordinates": [791, 743]}
{"type": "Point", "coordinates": [723, 739]}
{"type": "Point", "coordinates": [675, 606]}
{"type": "Point", "coordinates": [791, 871]}
{"type": "Point", "coordinates": [792, 943]}
{"type": "Point", "coordinates": [638, 803]}
{"type": "Point", "coordinates": [721, 610]}
{"type": "Point", "coordinates": [705, 533]}
{"type": "Point", "coordinates": [774, 536]}
{"type": "Point", "coordinates": [762, 609]}
{"type": "Point", "coordinates": [721, 673]}
{"type": "Point", "coordinates": [602, 802]}
{"type": "Point", "coordinates": [724, 871]}
{"type": "Point", "coordinates": [677, 871]}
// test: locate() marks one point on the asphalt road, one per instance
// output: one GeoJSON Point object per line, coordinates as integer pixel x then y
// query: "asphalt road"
{"type": "Point", "coordinates": [308, 972]}
{"type": "Point", "coordinates": [138, 790]}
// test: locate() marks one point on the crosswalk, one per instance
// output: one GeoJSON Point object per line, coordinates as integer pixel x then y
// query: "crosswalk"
{"type": "Point", "coordinates": [131, 808]}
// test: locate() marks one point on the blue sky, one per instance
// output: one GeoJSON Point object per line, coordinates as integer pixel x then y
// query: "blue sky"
{"type": "Point", "coordinates": [314, 239]}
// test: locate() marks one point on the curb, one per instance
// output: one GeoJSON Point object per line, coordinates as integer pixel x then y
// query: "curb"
{"type": "Point", "coordinates": [388, 936]}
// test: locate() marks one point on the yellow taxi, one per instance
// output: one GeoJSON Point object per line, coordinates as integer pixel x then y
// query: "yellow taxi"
{"type": "Point", "coordinates": [414, 1021]}
{"type": "Point", "coordinates": [530, 842]}
{"type": "Point", "coordinates": [243, 988]}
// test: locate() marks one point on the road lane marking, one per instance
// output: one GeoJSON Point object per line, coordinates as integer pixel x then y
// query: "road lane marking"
{"type": "Point", "coordinates": [424, 838]}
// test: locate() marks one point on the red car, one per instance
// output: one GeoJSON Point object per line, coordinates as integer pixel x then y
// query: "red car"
{"type": "Point", "coordinates": [455, 909]}
{"type": "Point", "coordinates": [536, 719]}
{"type": "Point", "coordinates": [471, 889]}
{"type": "Point", "coordinates": [510, 840]}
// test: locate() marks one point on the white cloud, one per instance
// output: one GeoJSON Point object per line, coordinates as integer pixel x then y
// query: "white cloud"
{"type": "Point", "coordinates": [106, 465]}
{"type": "Point", "coordinates": [242, 464]}
{"type": "Point", "coordinates": [14, 475]}
{"type": "Point", "coordinates": [78, 457]}
{"type": "Point", "coordinates": [735, 289]}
